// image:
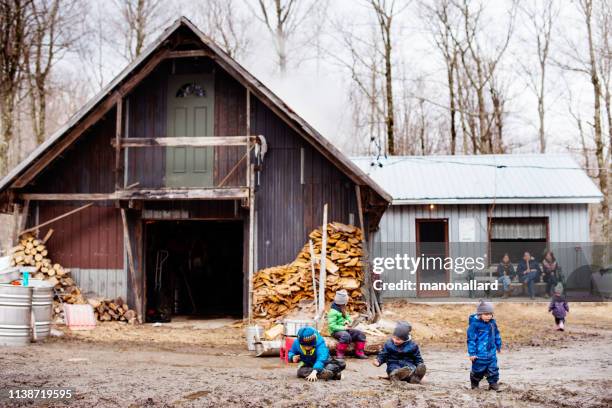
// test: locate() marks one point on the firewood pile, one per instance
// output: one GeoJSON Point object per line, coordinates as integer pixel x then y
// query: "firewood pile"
{"type": "Point", "coordinates": [279, 289]}
{"type": "Point", "coordinates": [106, 310]}
{"type": "Point", "coordinates": [33, 252]}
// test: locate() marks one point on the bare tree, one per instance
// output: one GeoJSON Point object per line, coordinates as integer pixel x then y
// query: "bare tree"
{"type": "Point", "coordinates": [438, 17]}
{"type": "Point", "coordinates": [540, 22]}
{"type": "Point", "coordinates": [139, 19]}
{"type": "Point", "coordinates": [282, 19]}
{"type": "Point", "coordinates": [15, 18]}
{"type": "Point", "coordinates": [51, 35]}
{"type": "Point", "coordinates": [226, 27]}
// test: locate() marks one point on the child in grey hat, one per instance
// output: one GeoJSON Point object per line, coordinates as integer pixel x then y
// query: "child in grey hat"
{"type": "Point", "coordinates": [402, 355]}
{"type": "Point", "coordinates": [339, 326]}
{"type": "Point", "coordinates": [483, 343]}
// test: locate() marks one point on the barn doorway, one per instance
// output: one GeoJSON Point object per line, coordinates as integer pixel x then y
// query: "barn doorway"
{"type": "Point", "coordinates": [432, 244]}
{"type": "Point", "coordinates": [193, 268]}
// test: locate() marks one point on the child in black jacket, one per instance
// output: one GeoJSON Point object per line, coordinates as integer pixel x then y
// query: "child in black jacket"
{"type": "Point", "coordinates": [402, 355]}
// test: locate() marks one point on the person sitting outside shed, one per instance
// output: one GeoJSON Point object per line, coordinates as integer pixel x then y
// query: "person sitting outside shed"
{"type": "Point", "coordinates": [505, 274]}
{"type": "Point", "coordinates": [551, 272]}
{"type": "Point", "coordinates": [529, 272]}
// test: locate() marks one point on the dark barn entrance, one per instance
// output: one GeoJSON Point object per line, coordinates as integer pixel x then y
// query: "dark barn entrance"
{"type": "Point", "coordinates": [193, 268]}
{"type": "Point", "coordinates": [432, 242]}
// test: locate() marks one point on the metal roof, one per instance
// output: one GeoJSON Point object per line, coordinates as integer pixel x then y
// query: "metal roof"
{"type": "Point", "coordinates": [240, 73]}
{"type": "Point", "coordinates": [483, 179]}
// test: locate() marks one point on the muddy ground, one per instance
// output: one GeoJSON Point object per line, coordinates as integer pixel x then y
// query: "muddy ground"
{"type": "Point", "coordinates": [201, 365]}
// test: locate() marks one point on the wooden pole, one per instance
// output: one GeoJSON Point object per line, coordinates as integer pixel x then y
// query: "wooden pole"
{"type": "Point", "coordinates": [39, 226]}
{"type": "Point", "coordinates": [128, 247]}
{"type": "Point", "coordinates": [314, 279]}
{"type": "Point", "coordinates": [118, 131]}
{"type": "Point", "coordinates": [322, 271]}
{"type": "Point", "coordinates": [251, 172]}
{"type": "Point", "coordinates": [367, 293]}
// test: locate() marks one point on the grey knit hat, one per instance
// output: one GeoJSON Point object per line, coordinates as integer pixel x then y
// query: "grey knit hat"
{"type": "Point", "coordinates": [484, 307]}
{"type": "Point", "coordinates": [341, 297]}
{"type": "Point", "coordinates": [402, 330]}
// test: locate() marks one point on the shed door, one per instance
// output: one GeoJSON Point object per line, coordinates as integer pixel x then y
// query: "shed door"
{"type": "Point", "coordinates": [191, 101]}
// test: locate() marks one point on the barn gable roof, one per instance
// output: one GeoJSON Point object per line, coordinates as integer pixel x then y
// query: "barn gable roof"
{"type": "Point", "coordinates": [483, 179]}
{"type": "Point", "coordinates": [239, 73]}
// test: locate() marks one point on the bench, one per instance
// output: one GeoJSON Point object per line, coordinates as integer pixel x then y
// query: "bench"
{"type": "Point", "coordinates": [516, 288]}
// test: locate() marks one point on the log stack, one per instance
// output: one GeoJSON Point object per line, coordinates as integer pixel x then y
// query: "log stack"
{"type": "Point", "coordinates": [32, 251]}
{"type": "Point", "coordinates": [107, 310]}
{"type": "Point", "coordinates": [279, 289]}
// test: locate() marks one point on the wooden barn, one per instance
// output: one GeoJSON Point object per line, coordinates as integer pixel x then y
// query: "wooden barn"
{"type": "Point", "coordinates": [185, 167]}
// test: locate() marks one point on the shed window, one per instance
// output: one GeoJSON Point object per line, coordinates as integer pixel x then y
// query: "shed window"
{"type": "Point", "coordinates": [514, 236]}
{"type": "Point", "coordinates": [191, 89]}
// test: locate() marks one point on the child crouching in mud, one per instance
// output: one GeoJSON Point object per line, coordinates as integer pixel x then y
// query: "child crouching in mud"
{"type": "Point", "coordinates": [402, 355]}
{"type": "Point", "coordinates": [310, 351]}
{"type": "Point", "coordinates": [483, 343]}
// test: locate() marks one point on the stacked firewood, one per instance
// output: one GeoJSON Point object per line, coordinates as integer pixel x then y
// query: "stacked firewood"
{"type": "Point", "coordinates": [33, 252]}
{"type": "Point", "coordinates": [106, 310]}
{"type": "Point", "coordinates": [279, 289]}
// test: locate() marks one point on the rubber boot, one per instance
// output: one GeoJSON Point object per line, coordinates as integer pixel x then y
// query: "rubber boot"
{"type": "Point", "coordinates": [326, 374]}
{"type": "Point", "coordinates": [561, 326]}
{"type": "Point", "coordinates": [400, 374]}
{"type": "Point", "coordinates": [494, 387]}
{"type": "Point", "coordinates": [338, 376]}
{"type": "Point", "coordinates": [474, 382]}
{"type": "Point", "coordinates": [341, 350]}
{"type": "Point", "coordinates": [418, 374]}
{"type": "Point", "coordinates": [360, 350]}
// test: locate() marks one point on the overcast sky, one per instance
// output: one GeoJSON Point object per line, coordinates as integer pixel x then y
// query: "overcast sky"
{"type": "Point", "coordinates": [317, 88]}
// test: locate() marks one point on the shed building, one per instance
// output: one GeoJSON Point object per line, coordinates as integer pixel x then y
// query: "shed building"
{"type": "Point", "coordinates": [482, 206]}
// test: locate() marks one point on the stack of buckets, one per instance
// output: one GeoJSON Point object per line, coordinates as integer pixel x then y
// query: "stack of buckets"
{"type": "Point", "coordinates": [25, 311]}
{"type": "Point", "coordinates": [290, 335]}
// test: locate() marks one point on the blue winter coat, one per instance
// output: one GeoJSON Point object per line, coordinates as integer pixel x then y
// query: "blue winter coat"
{"type": "Point", "coordinates": [483, 339]}
{"type": "Point", "coordinates": [315, 360]}
{"type": "Point", "coordinates": [407, 352]}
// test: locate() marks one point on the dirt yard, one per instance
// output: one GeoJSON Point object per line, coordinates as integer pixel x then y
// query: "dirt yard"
{"type": "Point", "coordinates": [195, 364]}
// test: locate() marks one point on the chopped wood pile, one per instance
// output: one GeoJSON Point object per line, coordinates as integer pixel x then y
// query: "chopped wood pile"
{"type": "Point", "coordinates": [279, 289]}
{"type": "Point", "coordinates": [106, 310]}
{"type": "Point", "coordinates": [33, 252]}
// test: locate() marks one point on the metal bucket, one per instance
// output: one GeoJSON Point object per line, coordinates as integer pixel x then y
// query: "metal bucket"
{"type": "Point", "coordinates": [253, 335]}
{"type": "Point", "coordinates": [292, 326]}
{"type": "Point", "coordinates": [9, 275]}
{"type": "Point", "coordinates": [42, 308]}
{"type": "Point", "coordinates": [15, 315]}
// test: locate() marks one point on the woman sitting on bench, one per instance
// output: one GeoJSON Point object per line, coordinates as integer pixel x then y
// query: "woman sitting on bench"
{"type": "Point", "coordinates": [505, 274]}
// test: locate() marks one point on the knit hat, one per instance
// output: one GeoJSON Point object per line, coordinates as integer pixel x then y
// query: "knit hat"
{"type": "Point", "coordinates": [402, 330]}
{"type": "Point", "coordinates": [484, 307]}
{"type": "Point", "coordinates": [341, 297]}
{"type": "Point", "coordinates": [307, 336]}
{"type": "Point", "coordinates": [558, 289]}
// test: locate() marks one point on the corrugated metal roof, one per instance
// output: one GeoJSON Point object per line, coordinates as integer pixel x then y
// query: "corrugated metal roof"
{"type": "Point", "coordinates": [520, 178]}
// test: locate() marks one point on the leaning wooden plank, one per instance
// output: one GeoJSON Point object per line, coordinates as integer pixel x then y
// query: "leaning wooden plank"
{"type": "Point", "coordinates": [128, 244]}
{"type": "Point", "coordinates": [47, 236]}
{"type": "Point", "coordinates": [51, 221]}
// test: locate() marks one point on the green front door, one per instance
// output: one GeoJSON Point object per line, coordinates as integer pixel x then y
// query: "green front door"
{"type": "Point", "coordinates": [191, 100]}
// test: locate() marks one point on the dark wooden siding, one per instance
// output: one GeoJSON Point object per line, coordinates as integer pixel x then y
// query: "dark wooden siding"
{"type": "Point", "coordinates": [147, 117]}
{"type": "Point", "coordinates": [91, 238]}
{"type": "Point", "coordinates": [86, 167]}
{"type": "Point", "coordinates": [288, 210]}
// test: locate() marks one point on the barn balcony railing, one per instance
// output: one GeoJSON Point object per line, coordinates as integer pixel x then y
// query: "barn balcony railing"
{"type": "Point", "coordinates": [210, 167]}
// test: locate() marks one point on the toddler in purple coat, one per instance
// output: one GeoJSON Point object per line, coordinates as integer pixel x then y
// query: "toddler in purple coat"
{"type": "Point", "coordinates": [559, 308]}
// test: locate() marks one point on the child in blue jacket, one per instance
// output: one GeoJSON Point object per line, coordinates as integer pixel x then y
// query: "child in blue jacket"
{"type": "Point", "coordinates": [312, 354]}
{"type": "Point", "coordinates": [402, 355]}
{"type": "Point", "coordinates": [483, 343]}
